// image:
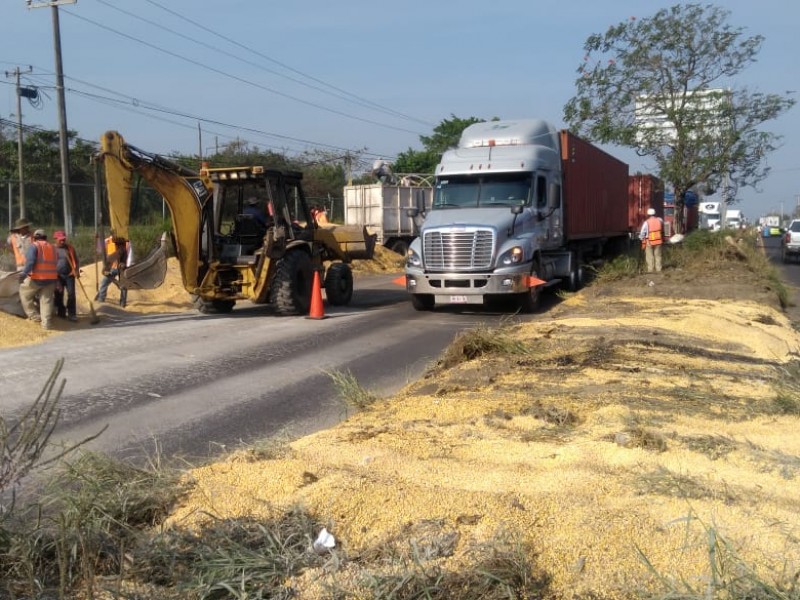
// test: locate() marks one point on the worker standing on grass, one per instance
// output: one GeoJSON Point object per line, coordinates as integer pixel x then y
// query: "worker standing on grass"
{"type": "Point", "coordinates": [67, 268]}
{"type": "Point", "coordinates": [118, 256]}
{"type": "Point", "coordinates": [20, 240]}
{"type": "Point", "coordinates": [38, 279]}
{"type": "Point", "coordinates": [651, 235]}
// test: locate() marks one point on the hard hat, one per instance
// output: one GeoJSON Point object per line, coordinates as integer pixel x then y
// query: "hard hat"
{"type": "Point", "coordinates": [39, 234]}
{"type": "Point", "coordinates": [651, 212]}
{"type": "Point", "coordinates": [60, 235]}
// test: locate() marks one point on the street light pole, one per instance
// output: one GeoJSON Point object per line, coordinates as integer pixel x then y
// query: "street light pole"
{"type": "Point", "coordinates": [62, 109]}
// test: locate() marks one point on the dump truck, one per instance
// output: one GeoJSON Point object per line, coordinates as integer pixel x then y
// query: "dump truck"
{"type": "Point", "coordinates": [225, 253]}
{"type": "Point", "coordinates": [518, 206]}
{"type": "Point", "coordinates": [383, 208]}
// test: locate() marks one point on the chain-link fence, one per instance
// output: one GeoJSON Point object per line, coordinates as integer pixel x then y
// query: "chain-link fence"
{"type": "Point", "coordinates": [44, 205]}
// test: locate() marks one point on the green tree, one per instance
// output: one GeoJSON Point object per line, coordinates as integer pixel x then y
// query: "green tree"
{"type": "Point", "coordinates": [445, 135]}
{"type": "Point", "coordinates": [661, 85]}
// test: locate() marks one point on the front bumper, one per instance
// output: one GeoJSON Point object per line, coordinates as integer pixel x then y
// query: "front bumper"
{"type": "Point", "coordinates": [467, 288]}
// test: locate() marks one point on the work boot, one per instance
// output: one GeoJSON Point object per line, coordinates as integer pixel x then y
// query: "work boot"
{"type": "Point", "coordinates": [35, 318]}
{"type": "Point", "coordinates": [73, 318]}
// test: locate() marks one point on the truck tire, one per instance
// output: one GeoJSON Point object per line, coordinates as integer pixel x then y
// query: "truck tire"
{"type": "Point", "coordinates": [290, 293]}
{"type": "Point", "coordinates": [528, 302]}
{"type": "Point", "coordinates": [339, 284]}
{"type": "Point", "coordinates": [422, 301]}
{"type": "Point", "coordinates": [212, 307]}
{"type": "Point", "coordinates": [577, 276]}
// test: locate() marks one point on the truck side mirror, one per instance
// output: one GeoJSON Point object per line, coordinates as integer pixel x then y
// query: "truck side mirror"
{"type": "Point", "coordinates": [412, 212]}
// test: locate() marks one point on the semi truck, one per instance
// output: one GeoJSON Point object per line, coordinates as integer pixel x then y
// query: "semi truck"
{"type": "Point", "coordinates": [383, 208]}
{"type": "Point", "coordinates": [710, 216]}
{"type": "Point", "coordinates": [733, 218]}
{"type": "Point", "coordinates": [517, 206]}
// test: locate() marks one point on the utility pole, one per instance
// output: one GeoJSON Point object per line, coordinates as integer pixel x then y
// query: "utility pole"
{"type": "Point", "coordinates": [62, 109]}
{"type": "Point", "coordinates": [16, 73]}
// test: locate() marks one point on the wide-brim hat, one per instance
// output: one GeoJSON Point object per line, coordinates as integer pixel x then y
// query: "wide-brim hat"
{"type": "Point", "coordinates": [20, 224]}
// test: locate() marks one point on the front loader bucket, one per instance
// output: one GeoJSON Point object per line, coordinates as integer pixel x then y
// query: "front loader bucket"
{"type": "Point", "coordinates": [348, 242]}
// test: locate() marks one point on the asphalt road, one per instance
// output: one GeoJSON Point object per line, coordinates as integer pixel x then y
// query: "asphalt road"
{"type": "Point", "coordinates": [196, 385]}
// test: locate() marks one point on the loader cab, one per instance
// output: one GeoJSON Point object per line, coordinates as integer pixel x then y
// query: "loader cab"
{"type": "Point", "coordinates": [254, 206]}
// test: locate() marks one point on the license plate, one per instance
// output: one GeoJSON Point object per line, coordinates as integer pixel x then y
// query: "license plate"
{"type": "Point", "coordinates": [458, 299]}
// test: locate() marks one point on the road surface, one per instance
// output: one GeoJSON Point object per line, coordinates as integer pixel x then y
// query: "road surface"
{"type": "Point", "coordinates": [196, 385]}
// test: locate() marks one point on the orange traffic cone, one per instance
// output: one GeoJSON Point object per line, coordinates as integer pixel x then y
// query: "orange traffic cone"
{"type": "Point", "coordinates": [317, 311]}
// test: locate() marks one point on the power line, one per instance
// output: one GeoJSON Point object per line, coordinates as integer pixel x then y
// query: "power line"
{"type": "Point", "coordinates": [285, 66]}
{"type": "Point", "coordinates": [333, 91]}
{"type": "Point", "coordinates": [236, 78]}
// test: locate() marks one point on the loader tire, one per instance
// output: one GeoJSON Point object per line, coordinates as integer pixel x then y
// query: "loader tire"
{"type": "Point", "coordinates": [291, 289]}
{"type": "Point", "coordinates": [212, 307]}
{"type": "Point", "coordinates": [339, 284]}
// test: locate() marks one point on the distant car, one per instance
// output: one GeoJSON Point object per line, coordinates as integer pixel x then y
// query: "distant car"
{"type": "Point", "coordinates": [775, 231]}
{"type": "Point", "coordinates": [790, 242]}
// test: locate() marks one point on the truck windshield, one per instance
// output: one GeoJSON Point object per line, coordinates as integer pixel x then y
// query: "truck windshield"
{"type": "Point", "coordinates": [473, 192]}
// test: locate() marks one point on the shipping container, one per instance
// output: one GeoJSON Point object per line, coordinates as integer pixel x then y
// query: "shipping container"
{"type": "Point", "coordinates": [644, 192]}
{"type": "Point", "coordinates": [595, 190]}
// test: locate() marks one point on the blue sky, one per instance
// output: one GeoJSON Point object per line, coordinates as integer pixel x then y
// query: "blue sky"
{"type": "Point", "coordinates": [349, 75]}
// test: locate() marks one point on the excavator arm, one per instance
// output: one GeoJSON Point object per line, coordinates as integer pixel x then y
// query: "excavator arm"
{"type": "Point", "coordinates": [185, 192]}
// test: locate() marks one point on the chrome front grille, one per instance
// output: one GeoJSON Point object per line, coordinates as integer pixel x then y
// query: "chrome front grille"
{"type": "Point", "coordinates": [468, 249]}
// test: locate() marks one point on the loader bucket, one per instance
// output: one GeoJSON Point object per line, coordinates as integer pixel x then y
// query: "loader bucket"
{"type": "Point", "coordinates": [347, 242]}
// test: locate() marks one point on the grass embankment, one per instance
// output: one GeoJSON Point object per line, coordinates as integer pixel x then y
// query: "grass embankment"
{"type": "Point", "coordinates": [639, 440]}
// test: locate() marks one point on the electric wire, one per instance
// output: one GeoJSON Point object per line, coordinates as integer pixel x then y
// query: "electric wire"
{"type": "Point", "coordinates": [236, 78]}
{"type": "Point", "coordinates": [333, 91]}
{"type": "Point", "coordinates": [285, 66]}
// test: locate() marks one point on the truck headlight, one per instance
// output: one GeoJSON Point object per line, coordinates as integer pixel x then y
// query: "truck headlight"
{"type": "Point", "coordinates": [413, 259]}
{"type": "Point", "coordinates": [512, 257]}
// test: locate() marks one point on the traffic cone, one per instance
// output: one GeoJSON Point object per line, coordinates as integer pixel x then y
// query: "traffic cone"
{"type": "Point", "coordinates": [317, 311]}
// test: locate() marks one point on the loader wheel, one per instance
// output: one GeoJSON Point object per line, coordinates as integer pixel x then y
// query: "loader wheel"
{"type": "Point", "coordinates": [339, 284]}
{"type": "Point", "coordinates": [212, 307]}
{"type": "Point", "coordinates": [290, 293]}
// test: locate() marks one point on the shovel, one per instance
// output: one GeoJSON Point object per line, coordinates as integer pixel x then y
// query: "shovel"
{"type": "Point", "coordinates": [93, 318]}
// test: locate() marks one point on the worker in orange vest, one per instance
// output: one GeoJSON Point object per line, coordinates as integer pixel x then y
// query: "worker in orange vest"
{"type": "Point", "coordinates": [651, 235]}
{"type": "Point", "coordinates": [20, 240]}
{"type": "Point", "coordinates": [118, 256]}
{"type": "Point", "coordinates": [38, 279]}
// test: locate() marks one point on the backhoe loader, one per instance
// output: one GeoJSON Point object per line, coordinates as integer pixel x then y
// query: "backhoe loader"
{"type": "Point", "coordinates": [227, 255]}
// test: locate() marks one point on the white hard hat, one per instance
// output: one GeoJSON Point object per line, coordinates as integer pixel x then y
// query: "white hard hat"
{"type": "Point", "coordinates": [651, 212]}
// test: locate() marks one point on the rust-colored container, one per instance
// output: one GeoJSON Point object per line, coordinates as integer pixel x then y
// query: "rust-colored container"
{"type": "Point", "coordinates": [595, 190]}
{"type": "Point", "coordinates": [644, 191]}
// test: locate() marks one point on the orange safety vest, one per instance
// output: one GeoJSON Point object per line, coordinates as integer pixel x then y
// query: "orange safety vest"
{"type": "Point", "coordinates": [111, 251]}
{"type": "Point", "coordinates": [654, 227]}
{"type": "Point", "coordinates": [18, 243]}
{"type": "Point", "coordinates": [44, 269]}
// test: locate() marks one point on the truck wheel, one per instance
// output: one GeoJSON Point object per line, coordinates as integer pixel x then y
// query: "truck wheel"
{"type": "Point", "coordinates": [290, 293]}
{"type": "Point", "coordinates": [212, 307]}
{"type": "Point", "coordinates": [339, 284]}
{"type": "Point", "coordinates": [422, 301]}
{"type": "Point", "coordinates": [577, 277]}
{"type": "Point", "coordinates": [400, 246]}
{"type": "Point", "coordinates": [529, 301]}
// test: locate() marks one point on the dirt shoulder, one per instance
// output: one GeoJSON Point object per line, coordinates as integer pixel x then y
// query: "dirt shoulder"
{"type": "Point", "coordinates": [640, 435]}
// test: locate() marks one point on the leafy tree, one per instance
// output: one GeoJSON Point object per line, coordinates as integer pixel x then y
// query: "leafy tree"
{"type": "Point", "coordinates": [445, 135]}
{"type": "Point", "coordinates": [659, 85]}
